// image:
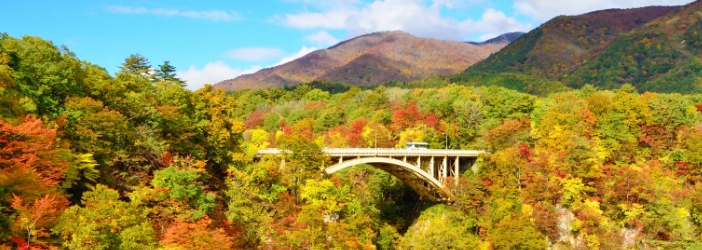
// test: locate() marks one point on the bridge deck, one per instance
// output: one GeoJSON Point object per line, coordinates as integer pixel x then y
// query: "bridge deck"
{"type": "Point", "coordinates": [387, 152]}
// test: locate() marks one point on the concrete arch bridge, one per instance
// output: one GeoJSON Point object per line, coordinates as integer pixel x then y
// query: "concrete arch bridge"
{"type": "Point", "coordinates": [424, 170]}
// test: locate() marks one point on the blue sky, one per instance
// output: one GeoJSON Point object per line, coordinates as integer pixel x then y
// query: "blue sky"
{"type": "Point", "coordinates": [210, 41]}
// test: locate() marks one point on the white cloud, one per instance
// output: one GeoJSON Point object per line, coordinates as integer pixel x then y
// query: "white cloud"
{"type": "Point", "coordinates": [215, 15]}
{"type": "Point", "coordinates": [335, 19]}
{"type": "Point", "coordinates": [254, 53]}
{"type": "Point", "coordinates": [411, 16]}
{"type": "Point", "coordinates": [543, 10]}
{"type": "Point", "coordinates": [439, 3]}
{"type": "Point", "coordinates": [329, 4]}
{"type": "Point", "coordinates": [303, 51]}
{"type": "Point", "coordinates": [492, 23]}
{"type": "Point", "coordinates": [322, 39]}
{"type": "Point", "coordinates": [212, 73]}
{"type": "Point", "coordinates": [417, 17]}
{"type": "Point", "coordinates": [457, 3]}
{"type": "Point", "coordinates": [127, 10]}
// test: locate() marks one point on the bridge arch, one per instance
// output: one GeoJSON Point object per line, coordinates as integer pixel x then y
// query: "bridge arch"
{"type": "Point", "coordinates": [425, 171]}
{"type": "Point", "coordinates": [419, 180]}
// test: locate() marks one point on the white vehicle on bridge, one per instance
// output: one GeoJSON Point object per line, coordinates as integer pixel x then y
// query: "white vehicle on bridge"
{"type": "Point", "coordinates": [417, 146]}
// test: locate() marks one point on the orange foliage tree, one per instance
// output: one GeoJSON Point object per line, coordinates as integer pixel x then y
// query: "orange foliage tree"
{"type": "Point", "coordinates": [27, 151]}
{"type": "Point", "coordinates": [33, 220]}
{"type": "Point", "coordinates": [195, 235]}
{"type": "Point", "coordinates": [30, 168]}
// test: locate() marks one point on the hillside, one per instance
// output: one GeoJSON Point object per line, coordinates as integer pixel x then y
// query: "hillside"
{"type": "Point", "coordinates": [663, 56]}
{"type": "Point", "coordinates": [563, 44]}
{"type": "Point", "coordinates": [371, 59]}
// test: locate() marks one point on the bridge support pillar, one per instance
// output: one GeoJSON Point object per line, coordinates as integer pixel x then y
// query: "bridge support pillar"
{"type": "Point", "coordinates": [444, 169]}
{"type": "Point", "coordinates": [457, 172]}
{"type": "Point", "coordinates": [419, 162]}
{"type": "Point", "coordinates": [431, 167]}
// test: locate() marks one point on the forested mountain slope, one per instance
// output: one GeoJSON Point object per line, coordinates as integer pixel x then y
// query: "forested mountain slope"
{"type": "Point", "coordinates": [371, 59]}
{"type": "Point", "coordinates": [652, 48]}
{"type": "Point", "coordinates": [663, 56]}
{"type": "Point", "coordinates": [559, 45]}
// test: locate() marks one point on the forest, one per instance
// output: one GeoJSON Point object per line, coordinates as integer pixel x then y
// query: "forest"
{"type": "Point", "coordinates": [134, 160]}
{"type": "Point", "coordinates": [655, 49]}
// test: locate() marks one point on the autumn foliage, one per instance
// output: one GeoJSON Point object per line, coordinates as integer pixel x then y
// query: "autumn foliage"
{"type": "Point", "coordinates": [195, 235]}
{"type": "Point", "coordinates": [135, 161]}
{"type": "Point", "coordinates": [27, 151]}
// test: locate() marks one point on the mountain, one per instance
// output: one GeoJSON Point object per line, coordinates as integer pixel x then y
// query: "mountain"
{"type": "Point", "coordinates": [371, 59]}
{"type": "Point", "coordinates": [652, 48]}
{"type": "Point", "coordinates": [557, 46]}
{"type": "Point", "coordinates": [665, 55]}
{"type": "Point", "coordinates": [504, 38]}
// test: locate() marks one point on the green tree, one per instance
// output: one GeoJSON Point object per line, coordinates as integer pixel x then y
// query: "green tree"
{"type": "Point", "coordinates": [303, 161]}
{"type": "Point", "coordinates": [167, 72]}
{"type": "Point", "coordinates": [93, 128]}
{"type": "Point", "coordinates": [217, 129]}
{"type": "Point", "coordinates": [43, 73]}
{"type": "Point", "coordinates": [105, 222]}
{"type": "Point", "coordinates": [442, 228]}
{"type": "Point", "coordinates": [272, 122]}
{"type": "Point", "coordinates": [185, 185]}
{"type": "Point", "coordinates": [516, 233]}
{"type": "Point", "coordinates": [136, 64]}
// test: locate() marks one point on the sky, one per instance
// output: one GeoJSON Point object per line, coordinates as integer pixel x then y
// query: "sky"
{"type": "Point", "coordinates": [210, 41]}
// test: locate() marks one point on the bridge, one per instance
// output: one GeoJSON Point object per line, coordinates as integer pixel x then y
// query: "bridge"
{"type": "Point", "coordinates": [424, 170]}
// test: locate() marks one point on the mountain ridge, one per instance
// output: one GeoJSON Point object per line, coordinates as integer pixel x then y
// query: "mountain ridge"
{"type": "Point", "coordinates": [358, 61]}
{"type": "Point", "coordinates": [506, 37]}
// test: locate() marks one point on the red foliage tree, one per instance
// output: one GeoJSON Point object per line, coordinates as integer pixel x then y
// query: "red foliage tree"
{"type": "Point", "coordinates": [255, 119]}
{"type": "Point", "coordinates": [355, 133]}
{"type": "Point", "coordinates": [337, 137]}
{"type": "Point", "coordinates": [405, 118]}
{"type": "Point", "coordinates": [23, 245]}
{"type": "Point", "coordinates": [432, 121]}
{"type": "Point", "coordinates": [167, 158]}
{"type": "Point", "coordinates": [657, 138]}
{"type": "Point", "coordinates": [507, 134]}
{"type": "Point", "coordinates": [525, 152]}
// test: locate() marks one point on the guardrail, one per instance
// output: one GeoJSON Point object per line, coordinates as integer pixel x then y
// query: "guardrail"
{"type": "Point", "coordinates": [399, 152]}
{"type": "Point", "coordinates": [386, 152]}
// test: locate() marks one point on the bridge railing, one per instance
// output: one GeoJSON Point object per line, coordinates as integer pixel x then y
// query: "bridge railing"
{"type": "Point", "coordinates": [385, 152]}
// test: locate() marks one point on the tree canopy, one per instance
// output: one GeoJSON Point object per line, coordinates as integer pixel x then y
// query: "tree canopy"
{"type": "Point", "coordinates": [135, 161]}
